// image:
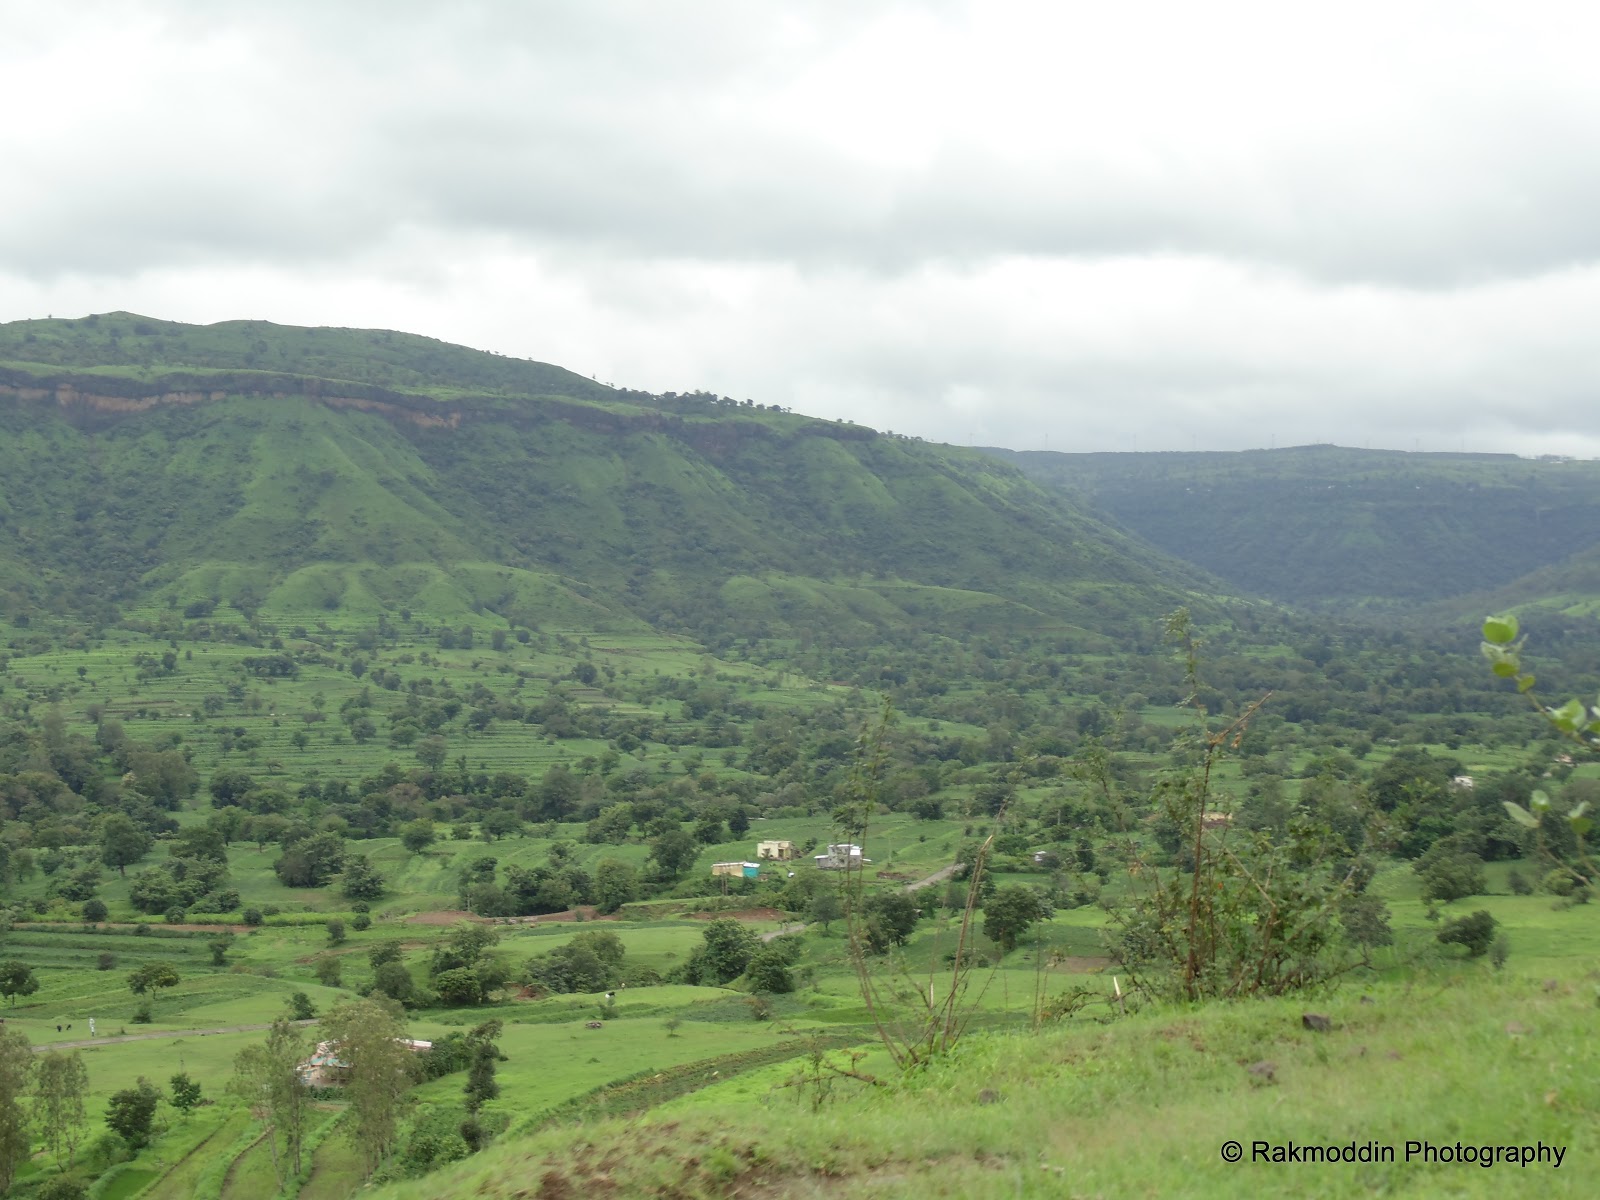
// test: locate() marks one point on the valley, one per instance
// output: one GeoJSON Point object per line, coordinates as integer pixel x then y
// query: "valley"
{"type": "Point", "coordinates": [348, 675]}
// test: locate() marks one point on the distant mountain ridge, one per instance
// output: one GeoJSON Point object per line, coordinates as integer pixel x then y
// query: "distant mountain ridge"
{"type": "Point", "coordinates": [343, 474]}
{"type": "Point", "coordinates": [1327, 526]}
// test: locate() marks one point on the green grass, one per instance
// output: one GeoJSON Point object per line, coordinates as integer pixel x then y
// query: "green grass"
{"type": "Point", "coordinates": [1139, 1107]}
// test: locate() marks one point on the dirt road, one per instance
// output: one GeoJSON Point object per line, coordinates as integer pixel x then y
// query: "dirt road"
{"type": "Point", "coordinates": [149, 1037]}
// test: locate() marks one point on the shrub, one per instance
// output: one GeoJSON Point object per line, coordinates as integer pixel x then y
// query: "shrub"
{"type": "Point", "coordinates": [301, 1008]}
{"type": "Point", "coordinates": [335, 930]}
{"type": "Point", "coordinates": [1447, 876]}
{"type": "Point", "coordinates": [1500, 951]}
{"type": "Point", "coordinates": [1475, 931]}
{"type": "Point", "coordinates": [176, 915]}
{"type": "Point", "coordinates": [106, 962]}
{"type": "Point", "coordinates": [361, 921]}
{"type": "Point", "coordinates": [1518, 883]}
{"type": "Point", "coordinates": [253, 916]}
{"type": "Point", "coordinates": [94, 910]}
{"type": "Point", "coordinates": [143, 1015]}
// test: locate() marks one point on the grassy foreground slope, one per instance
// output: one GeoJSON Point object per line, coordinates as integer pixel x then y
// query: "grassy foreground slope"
{"type": "Point", "coordinates": [1140, 1108]}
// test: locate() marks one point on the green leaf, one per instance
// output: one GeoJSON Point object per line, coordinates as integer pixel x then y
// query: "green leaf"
{"type": "Point", "coordinates": [1505, 668]}
{"type": "Point", "coordinates": [1580, 825]}
{"type": "Point", "coordinates": [1539, 801]}
{"type": "Point", "coordinates": [1524, 682]}
{"type": "Point", "coordinates": [1578, 810]}
{"type": "Point", "coordinates": [1521, 815]}
{"type": "Point", "coordinates": [1569, 717]}
{"type": "Point", "coordinates": [1500, 630]}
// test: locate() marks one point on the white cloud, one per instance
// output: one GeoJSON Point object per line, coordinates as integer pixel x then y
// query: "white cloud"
{"type": "Point", "coordinates": [1154, 224]}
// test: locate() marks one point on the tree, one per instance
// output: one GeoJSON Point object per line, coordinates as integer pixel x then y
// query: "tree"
{"type": "Point", "coordinates": [185, 1093]}
{"type": "Point", "coordinates": [674, 852]}
{"type": "Point", "coordinates": [335, 928]}
{"type": "Point", "coordinates": [152, 976]}
{"type": "Point", "coordinates": [824, 909]}
{"type": "Point", "coordinates": [1011, 912]}
{"type": "Point", "coordinates": [369, 1038]}
{"type": "Point", "coordinates": [267, 1078]}
{"type": "Point", "coordinates": [416, 836]}
{"type": "Point", "coordinates": [122, 843]}
{"type": "Point", "coordinates": [16, 979]}
{"type": "Point", "coordinates": [725, 951]}
{"type": "Point", "coordinates": [1450, 874]}
{"type": "Point", "coordinates": [483, 1057]}
{"type": "Point", "coordinates": [16, 1069]}
{"type": "Point", "coordinates": [459, 986]}
{"type": "Point", "coordinates": [361, 879]}
{"type": "Point", "coordinates": [891, 918]}
{"type": "Point", "coordinates": [769, 971]}
{"type": "Point", "coordinates": [132, 1111]}
{"type": "Point", "coordinates": [394, 981]}
{"type": "Point", "coordinates": [615, 883]}
{"type": "Point", "coordinates": [58, 1102]}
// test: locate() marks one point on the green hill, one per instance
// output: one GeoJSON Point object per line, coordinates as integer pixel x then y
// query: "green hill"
{"type": "Point", "coordinates": [1325, 525]}
{"type": "Point", "coordinates": [297, 473]}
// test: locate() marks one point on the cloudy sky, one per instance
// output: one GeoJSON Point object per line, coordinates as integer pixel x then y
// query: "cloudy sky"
{"type": "Point", "coordinates": [1035, 223]}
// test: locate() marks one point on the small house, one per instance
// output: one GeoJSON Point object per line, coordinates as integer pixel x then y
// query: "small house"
{"type": "Point", "coordinates": [841, 857]}
{"type": "Point", "coordinates": [736, 870]}
{"type": "Point", "coordinates": [778, 850]}
{"type": "Point", "coordinates": [326, 1069]}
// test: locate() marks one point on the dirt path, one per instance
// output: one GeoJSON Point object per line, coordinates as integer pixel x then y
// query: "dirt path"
{"type": "Point", "coordinates": [938, 876]}
{"type": "Point", "coordinates": [797, 927]}
{"type": "Point", "coordinates": [150, 1037]}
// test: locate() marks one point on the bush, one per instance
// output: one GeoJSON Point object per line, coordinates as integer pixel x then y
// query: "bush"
{"type": "Point", "coordinates": [253, 916]}
{"type": "Point", "coordinates": [143, 1014]}
{"type": "Point", "coordinates": [176, 915]}
{"type": "Point", "coordinates": [1518, 883]}
{"type": "Point", "coordinates": [1500, 951]}
{"type": "Point", "coordinates": [94, 910]}
{"type": "Point", "coordinates": [361, 922]}
{"type": "Point", "coordinates": [301, 1008]}
{"type": "Point", "coordinates": [1475, 932]}
{"type": "Point", "coordinates": [335, 930]}
{"type": "Point", "coordinates": [62, 1187]}
{"type": "Point", "coordinates": [1447, 876]}
{"type": "Point", "coordinates": [1558, 882]}
{"type": "Point", "coordinates": [106, 962]}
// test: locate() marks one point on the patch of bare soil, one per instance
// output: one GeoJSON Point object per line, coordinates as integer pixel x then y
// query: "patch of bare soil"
{"type": "Point", "coordinates": [748, 914]}
{"type": "Point", "coordinates": [444, 917]}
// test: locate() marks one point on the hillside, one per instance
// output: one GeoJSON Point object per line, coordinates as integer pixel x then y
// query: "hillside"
{"type": "Point", "coordinates": [297, 473]}
{"type": "Point", "coordinates": [1331, 526]}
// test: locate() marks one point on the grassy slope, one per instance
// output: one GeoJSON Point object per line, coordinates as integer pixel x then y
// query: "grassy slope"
{"type": "Point", "coordinates": [1137, 1108]}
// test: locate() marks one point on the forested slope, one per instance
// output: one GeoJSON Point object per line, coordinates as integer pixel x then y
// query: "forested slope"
{"type": "Point", "coordinates": [301, 472]}
{"type": "Point", "coordinates": [1330, 525]}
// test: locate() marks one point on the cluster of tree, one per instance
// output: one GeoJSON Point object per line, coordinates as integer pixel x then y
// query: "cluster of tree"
{"type": "Point", "coordinates": [593, 961]}
{"type": "Point", "coordinates": [43, 1095]}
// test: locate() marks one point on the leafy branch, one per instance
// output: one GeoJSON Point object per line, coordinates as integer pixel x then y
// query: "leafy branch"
{"type": "Point", "coordinates": [1576, 721]}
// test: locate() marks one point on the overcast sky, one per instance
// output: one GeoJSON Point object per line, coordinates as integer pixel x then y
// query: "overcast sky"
{"type": "Point", "coordinates": [1031, 223]}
